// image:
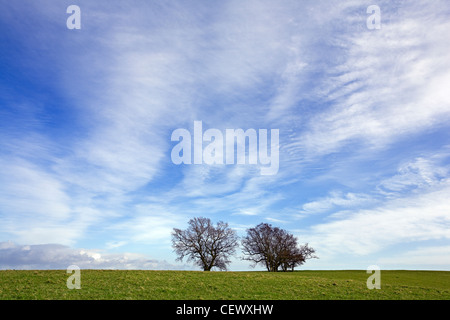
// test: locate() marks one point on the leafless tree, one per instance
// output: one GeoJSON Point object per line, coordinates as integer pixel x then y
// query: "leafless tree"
{"type": "Point", "coordinates": [258, 246]}
{"type": "Point", "coordinates": [296, 256]}
{"type": "Point", "coordinates": [206, 245]}
{"type": "Point", "coordinates": [274, 248]}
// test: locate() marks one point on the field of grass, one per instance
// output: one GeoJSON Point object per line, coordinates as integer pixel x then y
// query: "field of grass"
{"type": "Point", "coordinates": [193, 285]}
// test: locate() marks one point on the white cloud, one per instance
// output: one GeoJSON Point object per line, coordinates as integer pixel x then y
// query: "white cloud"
{"type": "Point", "coordinates": [435, 257]}
{"type": "Point", "coordinates": [417, 174]}
{"type": "Point", "coordinates": [390, 85]}
{"type": "Point", "coordinates": [34, 204]}
{"type": "Point", "coordinates": [410, 218]}
{"type": "Point", "coordinates": [115, 244]}
{"type": "Point", "coordinates": [336, 199]}
{"type": "Point", "coordinates": [56, 256]}
{"type": "Point", "coordinates": [28, 190]}
{"type": "Point", "coordinates": [150, 223]}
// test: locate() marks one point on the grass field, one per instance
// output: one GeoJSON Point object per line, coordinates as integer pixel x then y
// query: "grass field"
{"type": "Point", "coordinates": [193, 285]}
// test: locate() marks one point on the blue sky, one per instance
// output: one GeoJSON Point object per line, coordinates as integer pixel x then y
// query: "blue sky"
{"type": "Point", "coordinates": [86, 117]}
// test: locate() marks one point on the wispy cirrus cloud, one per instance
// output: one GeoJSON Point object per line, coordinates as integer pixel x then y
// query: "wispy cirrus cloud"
{"type": "Point", "coordinates": [336, 200]}
{"type": "Point", "coordinates": [420, 214]}
{"type": "Point", "coordinates": [399, 221]}
{"type": "Point", "coordinates": [417, 174]}
{"type": "Point", "coordinates": [391, 84]}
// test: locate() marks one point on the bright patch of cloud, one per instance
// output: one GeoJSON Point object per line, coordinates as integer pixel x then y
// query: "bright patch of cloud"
{"type": "Point", "coordinates": [415, 218]}
{"type": "Point", "coordinates": [54, 256]}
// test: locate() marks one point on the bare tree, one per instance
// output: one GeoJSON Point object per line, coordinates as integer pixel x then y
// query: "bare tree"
{"type": "Point", "coordinates": [274, 248]}
{"type": "Point", "coordinates": [260, 246]}
{"type": "Point", "coordinates": [296, 256]}
{"type": "Point", "coordinates": [205, 245]}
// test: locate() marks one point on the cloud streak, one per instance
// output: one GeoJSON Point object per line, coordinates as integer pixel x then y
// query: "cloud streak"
{"type": "Point", "coordinates": [389, 86]}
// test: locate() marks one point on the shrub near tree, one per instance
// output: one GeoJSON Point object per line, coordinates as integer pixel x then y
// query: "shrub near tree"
{"type": "Point", "coordinates": [274, 248]}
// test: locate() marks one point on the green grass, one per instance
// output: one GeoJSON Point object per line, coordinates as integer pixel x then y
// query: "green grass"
{"type": "Point", "coordinates": [193, 285]}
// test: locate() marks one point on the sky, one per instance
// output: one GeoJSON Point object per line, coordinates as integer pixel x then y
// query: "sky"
{"type": "Point", "coordinates": [87, 116]}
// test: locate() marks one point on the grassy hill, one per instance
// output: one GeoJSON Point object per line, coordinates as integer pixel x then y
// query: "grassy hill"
{"type": "Point", "coordinates": [193, 285]}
